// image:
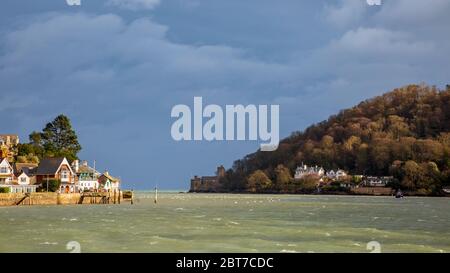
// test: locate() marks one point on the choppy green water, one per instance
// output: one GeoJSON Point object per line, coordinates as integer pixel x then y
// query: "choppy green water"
{"type": "Point", "coordinates": [232, 223]}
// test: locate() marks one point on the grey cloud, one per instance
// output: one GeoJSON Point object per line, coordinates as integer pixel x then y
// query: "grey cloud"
{"type": "Point", "coordinates": [346, 14]}
{"type": "Point", "coordinates": [118, 77]}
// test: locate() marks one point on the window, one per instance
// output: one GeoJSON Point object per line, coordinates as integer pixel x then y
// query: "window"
{"type": "Point", "coordinates": [64, 175]}
{"type": "Point", "coordinates": [23, 179]}
{"type": "Point", "coordinates": [3, 170]}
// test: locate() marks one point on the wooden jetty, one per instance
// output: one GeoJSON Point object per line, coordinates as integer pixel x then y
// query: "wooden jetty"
{"type": "Point", "coordinates": [128, 196]}
{"type": "Point", "coordinates": [101, 197]}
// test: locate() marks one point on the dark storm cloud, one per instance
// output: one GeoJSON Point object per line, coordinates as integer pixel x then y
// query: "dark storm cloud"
{"type": "Point", "coordinates": [117, 68]}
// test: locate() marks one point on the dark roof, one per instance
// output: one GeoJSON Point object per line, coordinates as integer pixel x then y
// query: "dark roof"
{"type": "Point", "coordinates": [49, 166]}
{"type": "Point", "coordinates": [28, 168]}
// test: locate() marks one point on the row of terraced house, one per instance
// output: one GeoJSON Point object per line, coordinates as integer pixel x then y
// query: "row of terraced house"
{"type": "Point", "coordinates": [29, 177]}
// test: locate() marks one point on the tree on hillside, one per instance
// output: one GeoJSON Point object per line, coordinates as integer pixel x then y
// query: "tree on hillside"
{"type": "Point", "coordinates": [283, 177]}
{"type": "Point", "coordinates": [258, 181]}
{"type": "Point", "coordinates": [308, 183]}
{"type": "Point", "coordinates": [411, 123]}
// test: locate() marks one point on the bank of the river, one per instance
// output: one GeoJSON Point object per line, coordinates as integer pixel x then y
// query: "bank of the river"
{"type": "Point", "coordinates": [368, 191]}
{"type": "Point", "coordinates": [53, 198]}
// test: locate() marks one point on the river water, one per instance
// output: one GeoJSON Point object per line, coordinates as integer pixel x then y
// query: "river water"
{"type": "Point", "coordinates": [232, 223]}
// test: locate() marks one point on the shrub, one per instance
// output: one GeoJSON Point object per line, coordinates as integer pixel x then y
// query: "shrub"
{"type": "Point", "coordinates": [5, 190]}
{"type": "Point", "coordinates": [53, 185]}
{"type": "Point", "coordinates": [308, 183]}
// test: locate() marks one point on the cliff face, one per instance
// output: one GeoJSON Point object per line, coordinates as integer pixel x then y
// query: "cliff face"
{"type": "Point", "coordinates": [404, 132]}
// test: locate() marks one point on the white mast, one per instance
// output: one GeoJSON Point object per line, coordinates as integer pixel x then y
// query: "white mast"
{"type": "Point", "coordinates": [94, 177]}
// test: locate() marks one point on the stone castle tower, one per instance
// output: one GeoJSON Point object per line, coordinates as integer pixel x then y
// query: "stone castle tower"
{"type": "Point", "coordinates": [220, 171]}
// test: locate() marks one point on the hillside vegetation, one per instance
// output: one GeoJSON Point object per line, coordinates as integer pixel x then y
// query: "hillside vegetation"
{"type": "Point", "coordinates": [404, 133]}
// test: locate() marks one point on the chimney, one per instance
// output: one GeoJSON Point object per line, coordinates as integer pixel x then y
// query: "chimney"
{"type": "Point", "coordinates": [76, 165]}
{"type": "Point", "coordinates": [84, 163]}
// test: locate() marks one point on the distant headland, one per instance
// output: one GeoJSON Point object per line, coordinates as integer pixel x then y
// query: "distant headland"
{"type": "Point", "coordinates": [399, 141]}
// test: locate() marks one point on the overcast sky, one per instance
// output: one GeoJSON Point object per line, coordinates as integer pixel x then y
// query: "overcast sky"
{"type": "Point", "coordinates": [117, 67]}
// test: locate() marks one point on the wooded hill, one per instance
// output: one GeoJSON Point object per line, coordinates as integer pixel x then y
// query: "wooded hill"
{"type": "Point", "coordinates": [404, 133]}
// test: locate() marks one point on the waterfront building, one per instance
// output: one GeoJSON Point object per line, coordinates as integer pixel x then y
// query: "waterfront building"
{"type": "Point", "coordinates": [304, 170]}
{"type": "Point", "coordinates": [336, 175]}
{"type": "Point", "coordinates": [25, 177]}
{"type": "Point", "coordinates": [208, 183]}
{"type": "Point", "coordinates": [87, 176]}
{"type": "Point", "coordinates": [108, 182]}
{"type": "Point", "coordinates": [376, 181]}
{"type": "Point", "coordinates": [57, 168]}
{"type": "Point", "coordinates": [6, 172]}
{"type": "Point", "coordinates": [16, 180]}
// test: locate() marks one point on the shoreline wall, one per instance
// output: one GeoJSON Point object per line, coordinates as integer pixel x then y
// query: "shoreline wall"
{"type": "Point", "coordinates": [39, 198]}
{"type": "Point", "coordinates": [53, 198]}
{"type": "Point", "coordinates": [373, 191]}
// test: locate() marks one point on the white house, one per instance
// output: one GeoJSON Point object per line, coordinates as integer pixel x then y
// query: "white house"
{"type": "Point", "coordinates": [6, 172]}
{"type": "Point", "coordinates": [303, 170]}
{"type": "Point", "coordinates": [23, 184]}
{"type": "Point", "coordinates": [18, 179]}
{"type": "Point", "coordinates": [336, 175]}
{"type": "Point", "coordinates": [87, 176]}
{"type": "Point", "coordinates": [108, 182]}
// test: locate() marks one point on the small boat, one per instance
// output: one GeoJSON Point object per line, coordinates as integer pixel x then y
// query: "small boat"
{"type": "Point", "coordinates": [399, 194]}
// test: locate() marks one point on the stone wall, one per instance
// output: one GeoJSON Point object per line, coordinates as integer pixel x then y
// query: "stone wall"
{"type": "Point", "coordinates": [373, 191]}
{"type": "Point", "coordinates": [9, 199]}
{"type": "Point", "coordinates": [68, 198]}
{"type": "Point", "coordinates": [52, 198]}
